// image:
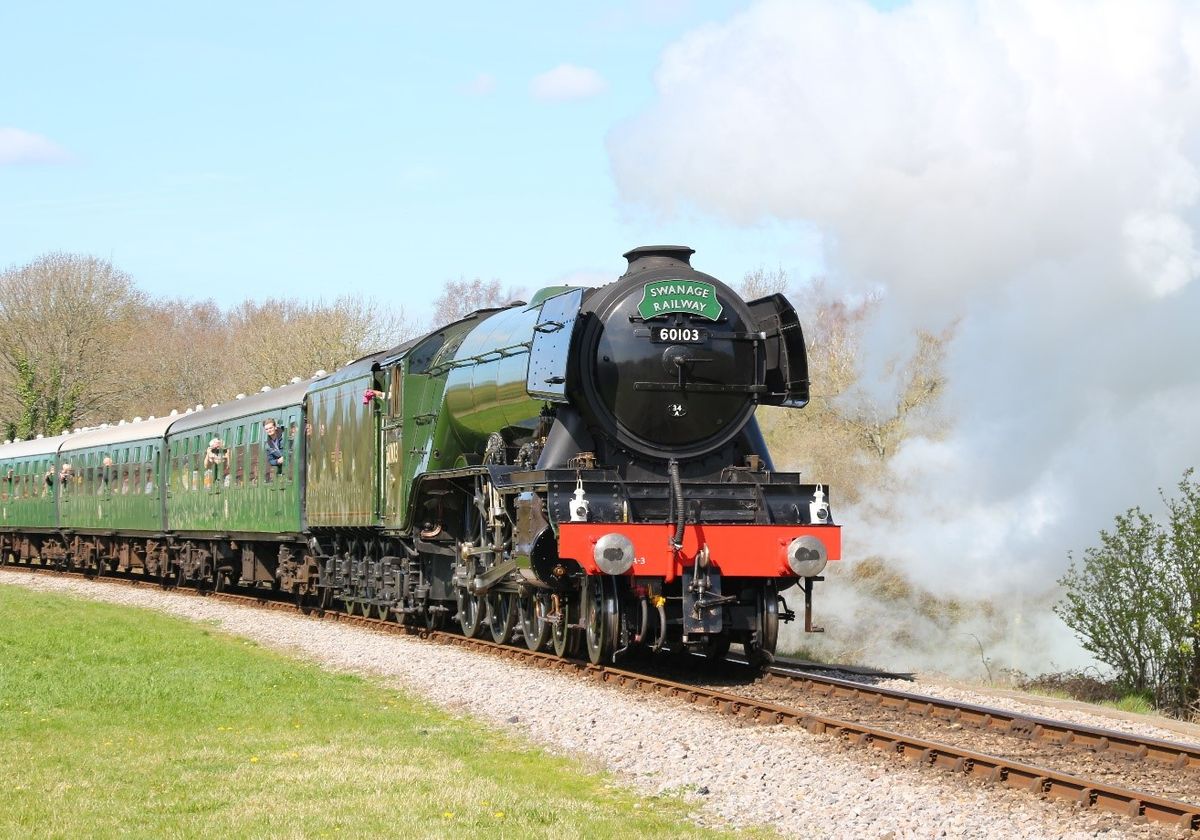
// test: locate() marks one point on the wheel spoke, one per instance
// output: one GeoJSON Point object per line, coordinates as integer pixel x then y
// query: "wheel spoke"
{"type": "Point", "coordinates": [502, 616]}
{"type": "Point", "coordinates": [565, 637]}
{"type": "Point", "coordinates": [470, 613]}
{"type": "Point", "coordinates": [533, 621]}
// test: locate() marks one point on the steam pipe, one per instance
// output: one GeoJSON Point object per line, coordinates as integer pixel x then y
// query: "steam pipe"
{"type": "Point", "coordinates": [662, 625]}
{"type": "Point", "coordinates": [677, 510]}
{"type": "Point", "coordinates": [644, 624]}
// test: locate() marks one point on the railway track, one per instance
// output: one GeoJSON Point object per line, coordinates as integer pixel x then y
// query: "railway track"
{"type": "Point", "coordinates": [859, 709]}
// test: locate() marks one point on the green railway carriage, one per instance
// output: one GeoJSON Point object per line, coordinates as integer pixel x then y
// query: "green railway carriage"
{"type": "Point", "coordinates": [27, 500]}
{"type": "Point", "coordinates": [117, 479]}
{"type": "Point", "coordinates": [111, 512]}
{"type": "Point", "coordinates": [236, 491]}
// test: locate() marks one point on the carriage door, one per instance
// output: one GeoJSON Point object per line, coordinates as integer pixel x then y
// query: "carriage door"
{"type": "Point", "coordinates": [393, 448]}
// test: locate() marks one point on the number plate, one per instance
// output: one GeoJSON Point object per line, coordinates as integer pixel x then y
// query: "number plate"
{"type": "Point", "coordinates": [678, 335]}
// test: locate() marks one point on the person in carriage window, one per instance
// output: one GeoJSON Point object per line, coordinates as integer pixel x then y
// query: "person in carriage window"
{"type": "Point", "coordinates": [275, 446]}
{"type": "Point", "coordinates": [215, 460]}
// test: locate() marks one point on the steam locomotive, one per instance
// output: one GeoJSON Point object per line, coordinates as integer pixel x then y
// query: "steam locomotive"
{"type": "Point", "coordinates": [580, 471]}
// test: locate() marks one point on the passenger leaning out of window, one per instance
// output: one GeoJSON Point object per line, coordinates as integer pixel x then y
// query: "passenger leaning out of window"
{"type": "Point", "coordinates": [215, 459]}
{"type": "Point", "coordinates": [274, 444]}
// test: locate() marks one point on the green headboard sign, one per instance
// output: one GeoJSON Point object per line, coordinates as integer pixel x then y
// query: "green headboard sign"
{"type": "Point", "coordinates": [691, 297]}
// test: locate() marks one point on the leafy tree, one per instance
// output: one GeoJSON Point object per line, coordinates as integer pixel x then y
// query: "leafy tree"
{"type": "Point", "coordinates": [1183, 558]}
{"type": "Point", "coordinates": [1134, 600]}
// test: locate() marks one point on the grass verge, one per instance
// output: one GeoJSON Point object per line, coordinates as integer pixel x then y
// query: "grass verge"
{"type": "Point", "coordinates": [120, 721]}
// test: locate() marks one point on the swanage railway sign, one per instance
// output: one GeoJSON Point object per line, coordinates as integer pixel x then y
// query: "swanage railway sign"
{"type": "Point", "coordinates": [690, 297]}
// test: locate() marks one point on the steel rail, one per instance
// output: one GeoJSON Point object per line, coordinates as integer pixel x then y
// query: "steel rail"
{"type": "Point", "coordinates": [916, 751]}
{"type": "Point", "coordinates": [1030, 727]}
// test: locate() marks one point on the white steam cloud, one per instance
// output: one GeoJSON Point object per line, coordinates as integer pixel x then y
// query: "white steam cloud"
{"type": "Point", "coordinates": [1030, 167]}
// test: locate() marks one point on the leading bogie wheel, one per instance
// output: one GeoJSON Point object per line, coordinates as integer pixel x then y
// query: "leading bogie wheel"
{"type": "Point", "coordinates": [601, 618]}
{"type": "Point", "coordinates": [501, 616]}
{"type": "Point", "coordinates": [760, 646]}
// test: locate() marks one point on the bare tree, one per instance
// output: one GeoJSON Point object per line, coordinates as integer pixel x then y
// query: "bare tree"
{"type": "Point", "coordinates": [180, 357]}
{"type": "Point", "coordinates": [67, 319]}
{"type": "Point", "coordinates": [273, 341]}
{"type": "Point", "coordinates": [760, 282]}
{"type": "Point", "coordinates": [846, 434]}
{"type": "Point", "coordinates": [461, 297]}
{"type": "Point", "coordinates": [920, 380]}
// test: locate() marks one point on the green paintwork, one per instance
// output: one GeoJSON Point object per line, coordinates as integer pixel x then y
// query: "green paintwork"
{"type": "Point", "coordinates": [448, 393]}
{"type": "Point", "coordinates": [242, 494]}
{"type": "Point", "coordinates": [342, 481]}
{"type": "Point", "coordinates": [131, 498]}
{"type": "Point", "coordinates": [27, 500]}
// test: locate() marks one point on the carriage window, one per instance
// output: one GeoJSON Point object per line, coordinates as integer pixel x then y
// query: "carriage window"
{"type": "Point", "coordinates": [254, 463]}
{"type": "Point", "coordinates": [239, 477]}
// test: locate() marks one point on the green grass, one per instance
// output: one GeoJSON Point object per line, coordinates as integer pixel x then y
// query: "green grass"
{"type": "Point", "coordinates": [1135, 703]}
{"type": "Point", "coordinates": [126, 722]}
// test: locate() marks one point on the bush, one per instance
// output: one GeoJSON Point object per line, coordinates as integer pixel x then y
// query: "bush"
{"type": "Point", "coordinates": [1134, 601]}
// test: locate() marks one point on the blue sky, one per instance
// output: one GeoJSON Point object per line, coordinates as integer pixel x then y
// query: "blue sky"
{"type": "Point", "coordinates": [265, 149]}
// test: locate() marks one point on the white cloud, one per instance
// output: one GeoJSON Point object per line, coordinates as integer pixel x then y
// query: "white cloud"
{"type": "Point", "coordinates": [1032, 166]}
{"type": "Point", "coordinates": [481, 85]}
{"type": "Point", "coordinates": [568, 82]}
{"type": "Point", "coordinates": [18, 146]}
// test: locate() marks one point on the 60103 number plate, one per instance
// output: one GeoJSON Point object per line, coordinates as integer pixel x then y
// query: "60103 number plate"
{"type": "Point", "coordinates": [678, 335]}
